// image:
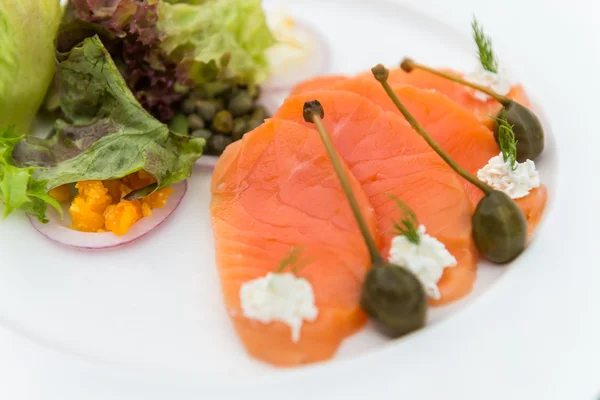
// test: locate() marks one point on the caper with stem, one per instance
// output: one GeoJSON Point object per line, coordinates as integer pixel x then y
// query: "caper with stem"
{"type": "Point", "coordinates": [392, 296]}
{"type": "Point", "coordinates": [499, 226]}
{"type": "Point", "coordinates": [526, 125]}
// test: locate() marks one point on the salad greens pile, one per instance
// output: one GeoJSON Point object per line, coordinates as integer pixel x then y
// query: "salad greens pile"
{"type": "Point", "coordinates": [121, 69]}
{"type": "Point", "coordinates": [163, 49]}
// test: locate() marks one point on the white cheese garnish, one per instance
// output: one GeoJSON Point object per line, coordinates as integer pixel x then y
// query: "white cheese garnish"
{"type": "Point", "coordinates": [279, 297]}
{"type": "Point", "coordinates": [427, 260]}
{"type": "Point", "coordinates": [498, 82]}
{"type": "Point", "coordinates": [518, 183]}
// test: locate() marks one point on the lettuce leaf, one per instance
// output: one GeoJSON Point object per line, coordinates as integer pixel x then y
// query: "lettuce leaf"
{"type": "Point", "coordinates": [106, 133]}
{"type": "Point", "coordinates": [122, 17]}
{"type": "Point", "coordinates": [27, 32]}
{"type": "Point", "coordinates": [18, 189]}
{"type": "Point", "coordinates": [217, 34]}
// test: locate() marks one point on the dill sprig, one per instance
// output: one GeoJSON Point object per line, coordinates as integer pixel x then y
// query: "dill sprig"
{"type": "Point", "coordinates": [292, 259]}
{"type": "Point", "coordinates": [408, 225]}
{"type": "Point", "coordinates": [507, 141]}
{"type": "Point", "coordinates": [484, 45]}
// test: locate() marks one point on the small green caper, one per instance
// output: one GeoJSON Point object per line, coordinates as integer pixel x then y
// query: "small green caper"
{"type": "Point", "coordinates": [200, 92]}
{"type": "Point", "coordinates": [259, 113]}
{"type": "Point", "coordinates": [239, 128]}
{"type": "Point", "coordinates": [394, 299]}
{"type": "Point", "coordinates": [196, 122]}
{"type": "Point", "coordinates": [179, 124]}
{"type": "Point", "coordinates": [499, 228]}
{"type": "Point", "coordinates": [218, 88]}
{"type": "Point", "coordinates": [201, 133]}
{"type": "Point", "coordinates": [223, 122]}
{"type": "Point", "coordinates": [219, 104]}
{"type": "Point", "coordinates": [218, 143]}
{"type": "Point", "coordinates": [527, 128]}
{"type": "Point", "coordinates": [240, 104]}
{"type": "Point", "coordinates": [188, 106]}
{"type": "Point", "coordinates": [206, 109]}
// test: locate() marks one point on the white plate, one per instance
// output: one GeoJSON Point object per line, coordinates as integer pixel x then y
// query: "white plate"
{"type": "Point", "coordinates": [152, 311]}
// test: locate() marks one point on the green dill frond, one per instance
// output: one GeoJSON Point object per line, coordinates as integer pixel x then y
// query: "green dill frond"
{"type": "Point", "coordinates": [484, 48]}
{"type": "Point", "coordinates": [292, 261]}
{"type": "Point", "coordinates": [408, 225]}
{"type": "Point", "coordinates": [507, 141]}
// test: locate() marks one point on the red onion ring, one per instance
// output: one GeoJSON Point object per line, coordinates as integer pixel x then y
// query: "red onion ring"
{"type": "Point", "coordinates": [207, 161]}
{"type": "Point", "coordinates": [58, 231]}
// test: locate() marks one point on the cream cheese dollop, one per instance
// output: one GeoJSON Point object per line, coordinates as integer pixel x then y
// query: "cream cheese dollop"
{"type": "Point", "coordinates": [280, 297]}
{"type": "Point", "coordinates": [499, 82]}
{"type": "Point", "coordinates": [427, 260]}
{"type": "Point", "coordinates": [516, 183]}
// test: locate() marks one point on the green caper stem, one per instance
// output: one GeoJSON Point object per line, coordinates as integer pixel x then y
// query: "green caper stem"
{"type": "Point", "coordinates": [408, 65]}
{"type": "Point", "coordinates": [381, 75]}
{"type": "Point", "coordinates": [339, 170]}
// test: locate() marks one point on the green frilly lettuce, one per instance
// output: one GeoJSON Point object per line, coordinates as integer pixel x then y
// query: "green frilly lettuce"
{"type": "Point", "coordinates": [106, 134]}
{"type": "Point", "coordinates": [217, 34]}
{"type": "Point", "coordinates": [27, 32]}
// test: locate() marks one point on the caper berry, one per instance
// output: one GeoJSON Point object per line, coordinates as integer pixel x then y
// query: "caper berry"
{"type": "Point", "coordinates": [201, 133]}
{"type": "Point", "coordinates": [206, 109]}
{"type": "Point", "coordinates": [527, 128]}
{"type": "Point", "coordinates": [218, 143]}
{"type": "Point", "coordinates": [392, 296]}
{"type": "Point", "coordinates": [394, 299]}
{"type": "Point", "coordinates": [223, 122]}
{"type": "Point", "coordinates": [240, 104]}
{"type": "Point", "coordinates": [196, 122]}
{"type": "Point", "coordinates": [499, 227]}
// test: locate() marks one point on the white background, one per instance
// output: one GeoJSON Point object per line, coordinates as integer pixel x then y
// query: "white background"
{"type": "Point", "coordinates": [552, 352]}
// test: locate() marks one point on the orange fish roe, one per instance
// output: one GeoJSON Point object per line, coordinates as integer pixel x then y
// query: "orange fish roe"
{"type": "Point", "coordinates": [139, 180]}
{"type": "Point", "coordinates": [159, 198]}
{"type": "Point", "coordinates": [99, 206]}
{"type": "Point", "coordinates": [121, 217]}
{"type": "Point", "coordinates": [117, 189]}
{"type": "Point", "coordinates": [87, 208]}
{"type": "Point", "coordinates": [61, 193]}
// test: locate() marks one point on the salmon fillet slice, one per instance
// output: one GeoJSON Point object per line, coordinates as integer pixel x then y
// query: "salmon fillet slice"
{"type": "Point", "coordinates": [387, 157]}
{"type": "Point", "coordinates": [273, 190]}
{"type": "Point", "coordinates": [462, 95]}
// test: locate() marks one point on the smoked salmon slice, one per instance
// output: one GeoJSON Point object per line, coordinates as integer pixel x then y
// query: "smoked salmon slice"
{"type": "Point", "coordinates": [462, 95]}
{"type": "Point", "coordinates": [462, 135]}
{"type": "Point", "coordinates": [273, 190]}
{"type": "Point", "coordinates": [387, 157]}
